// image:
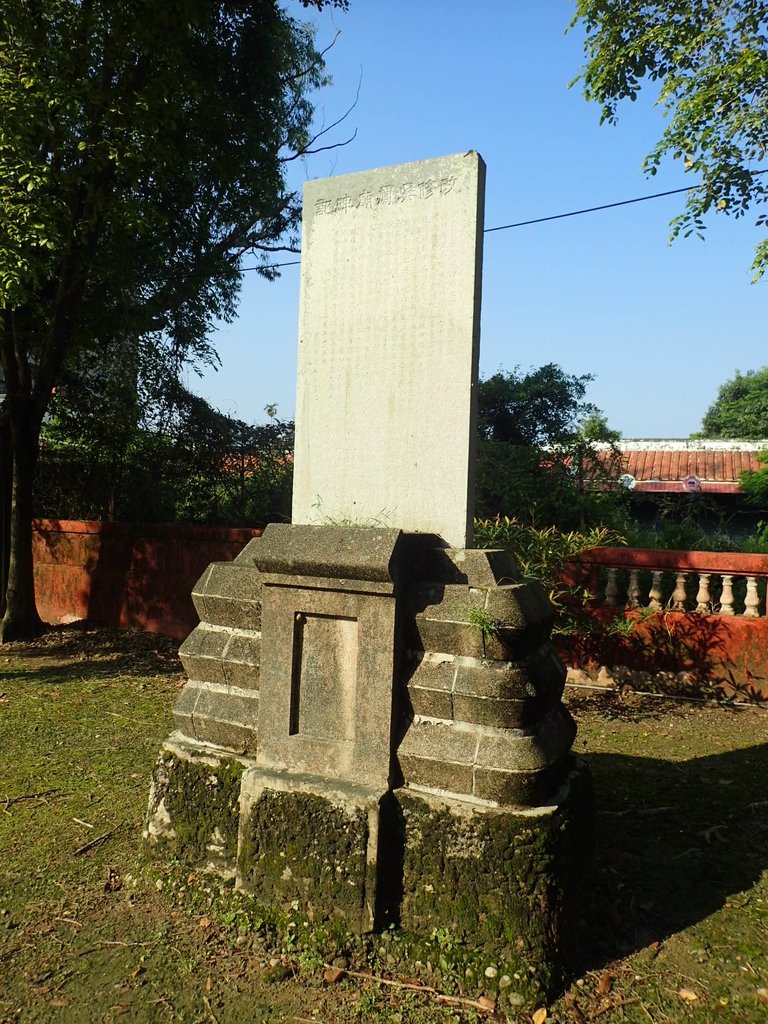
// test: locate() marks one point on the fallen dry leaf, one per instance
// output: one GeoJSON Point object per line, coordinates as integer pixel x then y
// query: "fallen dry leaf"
{"type": "Point", "coordinates": [204, 922]}
{"type": "Point", "coordinates": [333, 974]}
{"type": "Point", "coordinates": [605, 984]}
{"type": "Point", "coordinates": [487, 1003]}
{"type": "Point", "coordinates": [688, 995]}
{"type": "Point", "coordinates": [208, 985]}
{"type": "Point", "coordinates": [539, 1016]}
{"type": "Point", "coordinates": [58, 1003]}
{"type": "Point", "coordinates": [762, 995]}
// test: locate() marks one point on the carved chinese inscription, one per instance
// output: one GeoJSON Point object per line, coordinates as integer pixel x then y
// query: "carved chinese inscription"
{"type": "Point", "coordinates": [388, 195]}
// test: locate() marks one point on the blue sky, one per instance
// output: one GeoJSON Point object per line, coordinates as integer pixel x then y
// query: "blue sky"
{"type": "Point", "coordinates": [660, 326]}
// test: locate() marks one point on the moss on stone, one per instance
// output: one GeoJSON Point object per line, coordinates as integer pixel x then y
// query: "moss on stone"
{"type": "Point", "coordinates": [502, 882]}
{"type": "Point", "coordinates": [202, 801]}
{"type": "Point", "coordinates": [299, 846]}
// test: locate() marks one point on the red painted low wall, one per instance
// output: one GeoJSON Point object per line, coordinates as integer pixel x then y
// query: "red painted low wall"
{"type": "Point", "coordinates": [120, 574]}
{"type": "Point", "coordinates": [732, 650]}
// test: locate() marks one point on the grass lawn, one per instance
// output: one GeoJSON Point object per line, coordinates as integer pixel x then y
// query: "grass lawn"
{"type": "Point", "coordinates": [92, 929]}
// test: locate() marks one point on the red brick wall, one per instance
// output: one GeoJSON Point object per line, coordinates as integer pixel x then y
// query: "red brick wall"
{"type": "Point", "coordinates": [118, 574]}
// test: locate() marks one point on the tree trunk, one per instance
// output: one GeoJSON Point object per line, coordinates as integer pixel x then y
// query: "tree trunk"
{"type": "Point", "coordinates": [6, 474]}
{"type": "Point", "coordinates": [21, 620]}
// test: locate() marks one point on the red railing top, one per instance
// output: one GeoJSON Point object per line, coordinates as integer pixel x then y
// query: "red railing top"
{"type": "Point", "coordinates": [189, 531]}
{"type": "Point", "coordinates": [721, 562]}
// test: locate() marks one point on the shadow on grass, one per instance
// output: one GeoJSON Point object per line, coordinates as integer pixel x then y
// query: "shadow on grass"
{"type": "Point", "coordinates": [674, 841]}
{"type": "Point", "coordinates": [82, 652]}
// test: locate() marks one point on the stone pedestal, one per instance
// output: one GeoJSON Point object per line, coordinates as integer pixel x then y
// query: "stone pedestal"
{"type": "Point", "coordinates": [323, 844]}
{"type": "Point", "coordinates": [373, 727]}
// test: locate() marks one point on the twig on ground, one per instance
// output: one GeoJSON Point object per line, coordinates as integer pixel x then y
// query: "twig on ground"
{"type": "Point", "coordinates": [10, 800]}
{"type": "Point", "coordinates": [101, 945]}
{"type": "Point", "coordinates": [116, 942]}
{"type": "Point", "coordinates": [95, 842]}
{"type": "Point", "coordinates": [209, 1008]}
{"type": "Point", "coordinates": [408, 986]}
{"type": "Point", "coordinates": [162, 999]}
{"type": "Point", "coordinates": [640, 811]}
{"type": "Point", "coordinates": [614, 1006]}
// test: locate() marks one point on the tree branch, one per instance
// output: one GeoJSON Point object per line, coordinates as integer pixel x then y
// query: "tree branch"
{"type": "Point", "coordinates": [306, 149]}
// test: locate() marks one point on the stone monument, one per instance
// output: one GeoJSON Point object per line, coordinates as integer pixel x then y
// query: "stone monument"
{"type": "Point", "coordinates": [389, 330]}
{"type": "Point", "coordinates": [372, 727]}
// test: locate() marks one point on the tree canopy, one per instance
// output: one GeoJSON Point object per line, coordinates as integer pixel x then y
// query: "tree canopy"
{"type": "Point", "coordinates": [538, 456]}
{"type": "Point", "coordinates": [143, 149]}
{"type": "Point", "coordinates": [740, 410]}
{"type": "Point", "coordinates": [540, 407]}
{"type": "Point", "coordinates": [163, 456]}
{"type": "Point", "coordinates": [708, 62]}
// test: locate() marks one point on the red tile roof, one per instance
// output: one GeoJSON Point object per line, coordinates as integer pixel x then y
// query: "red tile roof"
{"type": "Point", "coordinates": [711, 466]}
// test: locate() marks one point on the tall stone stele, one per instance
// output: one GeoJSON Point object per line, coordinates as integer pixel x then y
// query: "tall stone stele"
{"type": "Point", "coordinates": [373, 723]}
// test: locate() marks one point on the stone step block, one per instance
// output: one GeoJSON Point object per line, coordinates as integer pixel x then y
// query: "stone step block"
{"type": "Point", "coordinates": [452, 633]}
{"type": "Point", "coordinates": [202, 654]}
{"type": "Point", "coordinates": [306, 839]}
{"type": "Point", "coordinates": [224, 716]}
{"type": "Point", "coordinates": [502, 766]}
{"type": "Point", "coordinates": [223, 656]}
{"type": "Point", "coordinates": [229, 594]}
{"type": "Point", "coordinates": [511, 695]}
{"type": "Point", "coordinates": [194, 804]}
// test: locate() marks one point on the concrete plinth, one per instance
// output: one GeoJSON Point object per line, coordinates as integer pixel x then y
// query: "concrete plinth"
{"type": "Point", "coordinates": [373, 755]}
{"type": "Point", "coordinates": [505, 884]}
{"type": "Point", "coordinates": [325, 844]}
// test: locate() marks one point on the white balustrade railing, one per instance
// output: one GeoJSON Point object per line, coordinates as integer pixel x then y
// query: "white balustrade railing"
{"type": "Point", "coordinates": [675, 593]}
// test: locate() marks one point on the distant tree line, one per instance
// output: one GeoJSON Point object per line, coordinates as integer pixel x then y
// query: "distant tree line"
{"type": "Point", "coordinates": [120, 444]}
{"type": "Point", "coordinates": [538, 459]}
{"type": "Point", "coordinates": [152, 451]}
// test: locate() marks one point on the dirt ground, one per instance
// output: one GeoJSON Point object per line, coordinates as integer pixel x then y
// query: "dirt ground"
{"type": "Point", "coordinates": [92, 929]}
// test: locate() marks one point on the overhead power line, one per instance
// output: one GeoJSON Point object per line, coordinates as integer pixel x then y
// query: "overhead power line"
{"type": "Point", "coordinates": [274, 266]}
{"type": "Point", "coordinates": [590, 209]}
{"type": "Point", "coordinates": [542, 220]}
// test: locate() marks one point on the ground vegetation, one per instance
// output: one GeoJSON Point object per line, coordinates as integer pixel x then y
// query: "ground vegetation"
{"type": "Point", "coordinates": [94, 929]}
